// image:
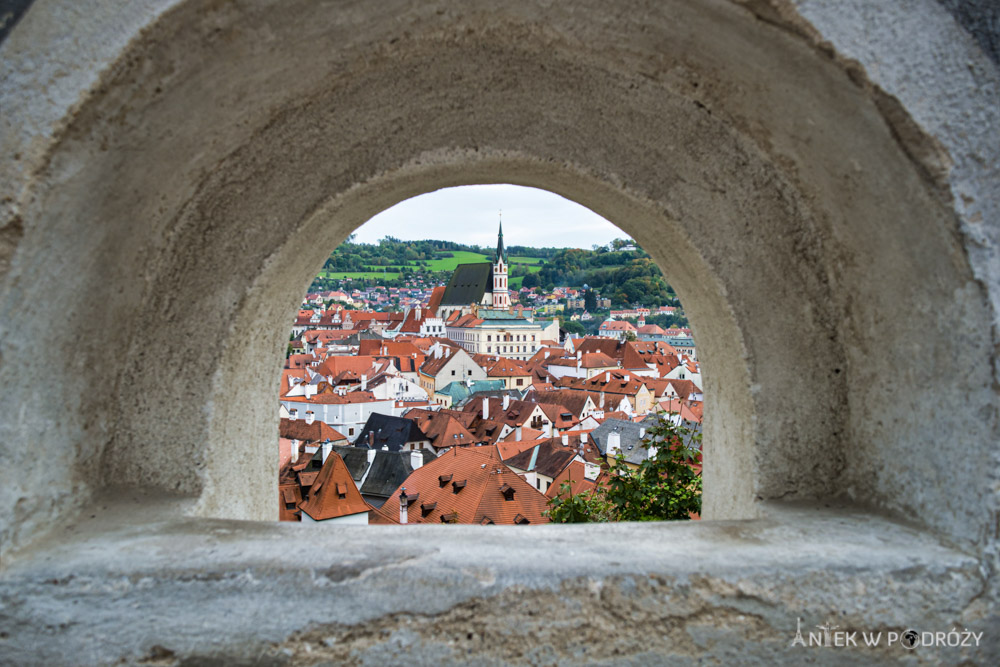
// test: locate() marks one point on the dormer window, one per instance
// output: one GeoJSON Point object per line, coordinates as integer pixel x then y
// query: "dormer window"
{"type": "Point", "coordinates": [508, 492]}
{"type": "Point", "coordinates": [341, 490]}
{"type": "Point", "coordinates": [443, 480]}
{"type": "Point", "coordinates": [427, 508]}
{"type": "Point", "coordinates": [458, 485]}
{"type": "Point", "coordinates": [521, 520]}
{"type": "Point", "coordinates": [450, 517]}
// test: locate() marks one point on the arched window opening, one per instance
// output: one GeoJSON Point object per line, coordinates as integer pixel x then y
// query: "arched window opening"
{"type": "Point", "coordinates": [393, 379]}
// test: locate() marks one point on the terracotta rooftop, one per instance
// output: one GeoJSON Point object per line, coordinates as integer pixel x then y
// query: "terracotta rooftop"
{"type": "Point", "coordinates": [578, 483]}
{"type": "Point", "coordinates": [608, 346]}
{"type": "Point", "coordinates": [468, 485]}
{"type": "Point", "coordinates": [298, 429]}
{"type": "Point", "coordinates": [333, 493]}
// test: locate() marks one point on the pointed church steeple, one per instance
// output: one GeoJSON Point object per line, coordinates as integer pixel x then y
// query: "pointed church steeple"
{"type": "Point", "coordinates": [501, 297]}
{"type": "Point", "coordinates": [501, 250]}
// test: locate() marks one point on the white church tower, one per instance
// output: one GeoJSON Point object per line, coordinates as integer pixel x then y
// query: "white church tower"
{"type": "Point", "coordinates": [501, 297]}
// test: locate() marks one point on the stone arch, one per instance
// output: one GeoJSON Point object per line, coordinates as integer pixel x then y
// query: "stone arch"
{"type": "Point", "coordinates": [174, 170]}
{"type": "Point", "coordinates": [223, 142]}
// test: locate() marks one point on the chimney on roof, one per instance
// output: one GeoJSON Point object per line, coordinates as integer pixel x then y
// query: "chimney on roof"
{"type": "Point", "coordinates": [579, 355]}
{"type": "Point", "coordinates": [506, 401]}
{"type": "Point", "coordinates": [327, 448]}
{"type": "Point", "coordinates": [486, 407]}
{"type": "Point", "coordinates": [601, 406]}
{"type": "Point", "coordinates": [565, 440]}
{"type": "Point", "coordinates": [416, 458]}
{"type": "Point", "coordinates": [371, 439]}
{"type": "Point", "coordinates": [625, 377]}
{"type": "Point", "coordinates": [642, 431]}
{"type": "Point", "coordinates": [364, 382]}
{"type": "Point", "coordinates": [583, 438]}
{"type": "Point", "coordinates": [517, 434]}
{"type": "Point", "coordinates": [652, 452]}
{"type": "Point", "coordinates": [371, 456]}
{"type": "Point", "coordinates": [295, 449]}
{"type": "Point", "coordinates": [614, 444]}
{"type": "Point", "coordinates": [418, 312]}
{"type": "Point", "coordinates": [404, 503]}
{"type": "Point", "coordinates": [310, 417]}
{"type": "Point", "coordinates": [548, 429]}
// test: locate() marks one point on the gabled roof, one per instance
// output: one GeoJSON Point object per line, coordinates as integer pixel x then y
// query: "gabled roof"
{"type": "Point", "coordinates": [574, 401]}
{"type": "Point", "coordinates": [433, 364]}
{"type": "Point", "coordinates": [333, 493]}
{"type": "Point", "coordinates": [298, 429]}
{"type": "Point", "coordinates": [617, 325]}
{"type": "Point", "coordinates": [468, 284]}
{"type": "Point", "coordinates": [336, 364]}
{"type": "Point", "coordinates": [444, 430]}
{"type": "Point", "coordinates": [610, 382]}
{"type": "Point", "coordinates": [388, 348]}
{"type": "Point", "coordinates": [549, 457]}
{"type": "Point", "coordinates": [332, 398]}
{"type": "Point", "coordinates": [460, 390]}
{"type": "Point", "coordinates": [629, 433]}
{"type": "Point", "coordinates": [435, 301]}
{"type": "Point", "coordinates": [590, 360]}
{"type": "Point", "coordinates": [608, 346]}
{"type": "Point", "coordinates": [497, 366]}
{"type": "Point", "coordinates": [468, 485]}
{"type": "Point", "coordinates": [388, 431]}
{"type": "Point", "coordinates": [574, 474]}
{"type": "Point", "coordinates": [517, 412]}
{"type": "Point", "coordinates": [684, 388]}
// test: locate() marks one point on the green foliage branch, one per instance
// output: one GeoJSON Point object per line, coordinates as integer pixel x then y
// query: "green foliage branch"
{"type": "Point", "coordinates": [663, 487]}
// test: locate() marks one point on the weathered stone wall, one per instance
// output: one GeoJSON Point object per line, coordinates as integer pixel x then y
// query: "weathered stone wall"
{"type": "Point", "coordinates": [817, 180]}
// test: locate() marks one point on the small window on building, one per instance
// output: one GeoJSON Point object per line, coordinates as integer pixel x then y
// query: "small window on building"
{"type": "Point", "coordinates": [453, 372]}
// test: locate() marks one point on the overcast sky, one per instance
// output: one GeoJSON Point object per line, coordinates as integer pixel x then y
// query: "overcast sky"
{"type": "Point", "coordinates": [469, 214]}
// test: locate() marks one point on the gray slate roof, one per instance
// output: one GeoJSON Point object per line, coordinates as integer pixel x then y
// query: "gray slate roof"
{"type": "Point", "coordinates": [628, 432]}
{"type": "Point", "coordinates": [388, 469]}
{"type": "Point", "coordinates": [468, 284]}
{"type": "Point", "coordinates": [629, 436]}
{"type": "Point", "coordinates": [389, 431]}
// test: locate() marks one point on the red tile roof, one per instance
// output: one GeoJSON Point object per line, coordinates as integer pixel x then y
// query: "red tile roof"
{"type": "Point", "coordinates": [465, 486]}
{"type": "Point", "coordinates": [578, 483]}
{"type": "Point", "coordinates": [333, 493]}
{"type": "Point", "coordinates": [298, 429]}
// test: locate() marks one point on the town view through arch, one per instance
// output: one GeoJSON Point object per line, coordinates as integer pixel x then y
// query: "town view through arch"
{"type": "Point", "coordinates": [491, 355]}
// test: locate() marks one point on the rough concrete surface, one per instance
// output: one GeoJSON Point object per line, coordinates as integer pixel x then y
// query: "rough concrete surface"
{"type": "Point", "coordinates": [816, 178]}
{"type": "Point", "coordinates": [183, 591]}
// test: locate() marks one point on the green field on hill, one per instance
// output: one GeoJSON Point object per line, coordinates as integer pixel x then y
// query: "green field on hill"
{"type": "Point", "coordinates": [357, 275]}
{"type": "Point", "coordinates": [534, 265]}
{"type": "Point", "coordinates": [465, 257]}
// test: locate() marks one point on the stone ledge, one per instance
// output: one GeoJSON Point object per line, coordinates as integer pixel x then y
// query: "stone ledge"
{"type": "Point", "coordinates": [134, 583]}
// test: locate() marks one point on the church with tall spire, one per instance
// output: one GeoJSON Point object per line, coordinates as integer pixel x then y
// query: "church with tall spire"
{"type": "Point", "coordinates": [501, 295]}
{"type": "Point", "coordinates": [475, 307]}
